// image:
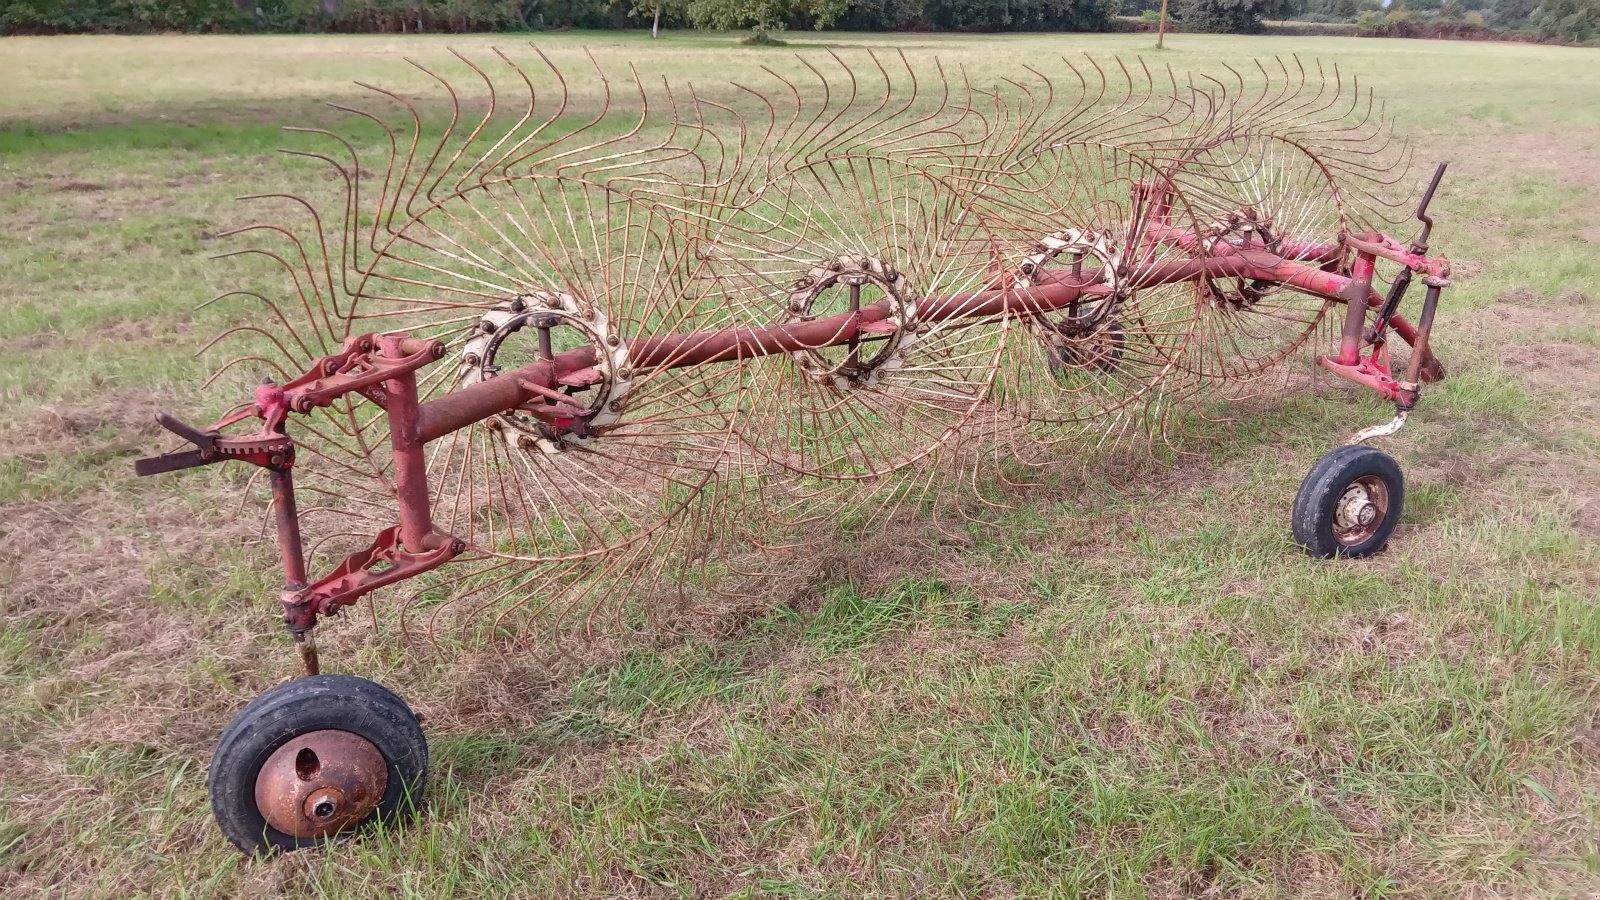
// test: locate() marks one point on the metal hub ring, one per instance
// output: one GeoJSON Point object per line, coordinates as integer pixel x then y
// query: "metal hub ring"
{"type": "Point", "coordinates": [320, 783]}
{"type": "Point", "coordinates": [1093, 316]}
{"type": "Point", "coordinates": [542, 310]}
{"type": "Point", "coordinates": [1236, 229]}
{"type": "Point", "coordinates": [855, 270]}
{"type": "Point", "coordinates": [1361, 510]}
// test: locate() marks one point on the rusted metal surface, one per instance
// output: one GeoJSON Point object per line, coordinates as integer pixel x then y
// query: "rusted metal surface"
{"type": "Point", "coordinates": [385, 562]}
{"type": "Point", "coordinates": [1432, 370]}
{"type": "Point", "coordinates": [321, 783]}
{"type": "Point", "coordinates": [305, 647]}
{"type": "Point", "coordinates": [545, 348]}
{"type": "Point", "coordinates": [1361, 512]}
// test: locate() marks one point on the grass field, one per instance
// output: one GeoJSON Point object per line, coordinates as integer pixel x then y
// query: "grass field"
{"type": "Point", "coordinates": [1138, 690]}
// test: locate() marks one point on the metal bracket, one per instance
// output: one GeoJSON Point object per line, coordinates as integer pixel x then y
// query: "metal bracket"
{"type": "Point", "coordinates": [383, 563]}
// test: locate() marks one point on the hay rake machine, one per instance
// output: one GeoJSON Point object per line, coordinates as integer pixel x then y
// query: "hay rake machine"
{"type": "Point", "coordinates": [582, 352]}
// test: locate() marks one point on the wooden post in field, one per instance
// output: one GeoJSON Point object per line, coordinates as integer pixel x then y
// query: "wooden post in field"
{"type": "Point", "coordinates": [1161, 30]}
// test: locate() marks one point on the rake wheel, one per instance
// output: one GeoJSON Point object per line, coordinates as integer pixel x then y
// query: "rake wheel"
{"type": "Point", "coordinates": [1253, 191]}
{"type": "Point", "coordinates": [513, 235]}
{"type": "Point", "coordinates": [860, 245]}
{"type": "Point", "coordinates": [1087, 214]}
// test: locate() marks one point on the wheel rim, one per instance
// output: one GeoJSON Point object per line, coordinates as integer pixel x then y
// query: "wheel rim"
{"type": "Point", "coordinates": [1361, 511]}
{"type": "Point", "coordinates": [320, 783]}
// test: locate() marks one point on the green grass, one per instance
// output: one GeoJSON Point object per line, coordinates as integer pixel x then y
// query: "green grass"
{"type": "Point", "coordinates": [1130, 687]}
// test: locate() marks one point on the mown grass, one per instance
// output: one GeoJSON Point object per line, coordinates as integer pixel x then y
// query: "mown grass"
{"type": "Point", "coordinates": [1131, 687]}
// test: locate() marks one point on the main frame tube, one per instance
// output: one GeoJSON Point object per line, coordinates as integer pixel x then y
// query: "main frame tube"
{"type": "Point", "coordinates": [1055, 291]}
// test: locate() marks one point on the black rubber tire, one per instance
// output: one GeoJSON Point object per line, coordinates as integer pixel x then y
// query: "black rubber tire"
{"type": "Point", "coordinates": [314, 703]}
{"type": "Point", "coordinates": [1317, 502]}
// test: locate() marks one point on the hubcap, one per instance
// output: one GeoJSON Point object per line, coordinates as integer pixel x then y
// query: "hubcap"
{"type": "Point", "coordinates": [320, 783]}
{"type": "Point", "coordinates": [1361, 511]}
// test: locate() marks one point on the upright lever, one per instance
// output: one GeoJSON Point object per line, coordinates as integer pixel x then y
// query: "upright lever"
{"type": "Point", "coordinates": [1420, 245]}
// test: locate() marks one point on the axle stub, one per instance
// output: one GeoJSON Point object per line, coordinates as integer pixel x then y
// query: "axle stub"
{"type": "Point", "coordinates": [1093, 348]}
{"type": "Point", "coordinates": [1349, 503]}
{"type": "Point", "coordinates": [314, 760]}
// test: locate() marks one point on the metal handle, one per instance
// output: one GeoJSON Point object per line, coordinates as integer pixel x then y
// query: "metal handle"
{"type": "Point", "coordinates": [205, 440]}
{"type": "Point", "coordinates": [1420, 245]}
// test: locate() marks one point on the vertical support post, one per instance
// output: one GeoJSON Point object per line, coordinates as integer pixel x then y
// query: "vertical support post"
{"type": "Point", "coordinates": [1419, 347]}
{"type": "Point", "coordinates": [855, 307]}
{"type": "Point", "coordinates": [292, 551]}
{"type": "Point", "coordinates": [410, 463]}
{"type": "Point", "coordinates": [1355, 314]}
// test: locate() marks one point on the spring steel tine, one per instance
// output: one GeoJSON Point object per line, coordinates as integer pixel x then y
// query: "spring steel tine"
{"type": "Point", "coordinates": [251, 329]}
{"type": "Point", "coordinates": [316, 299]}
{"type": "Point", "coordinates": [306, 353]}
{"type": "Point", "coordinates": [495, 159]}
{"type": "Point", "coordinates": [388, 202]}
{"type": "Point", "coordinates": [351, 176]}
{"type": "Point", "coordinates": [425, 173]}
{"type": "Point", "coordinates": [293, 273]}
{"type": "Point", "coordinates": [471, 138]}
{"type": "Point", "coordinates": [516, 152]}
{"type": "Point", "coordinates": [885, 124]}
{"type": "Point", "coordinates": [843, 134]}
{"type": "Point", "coordinates": [432, 176]}
{"type": "Point", "coordinates": [327, 283]}
{"type": "Point", "coordinates": [275, 365]}
{"type": "Point", "coordinates": [579, 133]}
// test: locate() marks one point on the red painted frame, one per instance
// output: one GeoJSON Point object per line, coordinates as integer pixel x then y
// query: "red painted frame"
{"type": "Point", "coordinates": [382, 368]}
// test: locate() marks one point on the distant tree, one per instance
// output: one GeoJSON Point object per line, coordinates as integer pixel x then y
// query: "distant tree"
{"type": "Point", "coordinates": [1511, 13]}
{"type": "Point", "coordinates": [1236, 16]}
{"type": "Point", "coordinates": [881, 15]}
{"type": "Point", "coordinates": [674, 10]}
{"type": "Point", "coordinates": [1014, 15]}
{"type": "Point", "coordinates": [764, 15]}
{"type": "Point", "coordinates": [1575, 20]}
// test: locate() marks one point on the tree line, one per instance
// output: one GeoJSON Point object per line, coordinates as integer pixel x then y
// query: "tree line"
{"type": "Point", "coordinates": [1573, 20]}
{"type": "Point", "coordinates": [47, 16]}
{"type": "Point", "coordinates": [1577, 20]}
